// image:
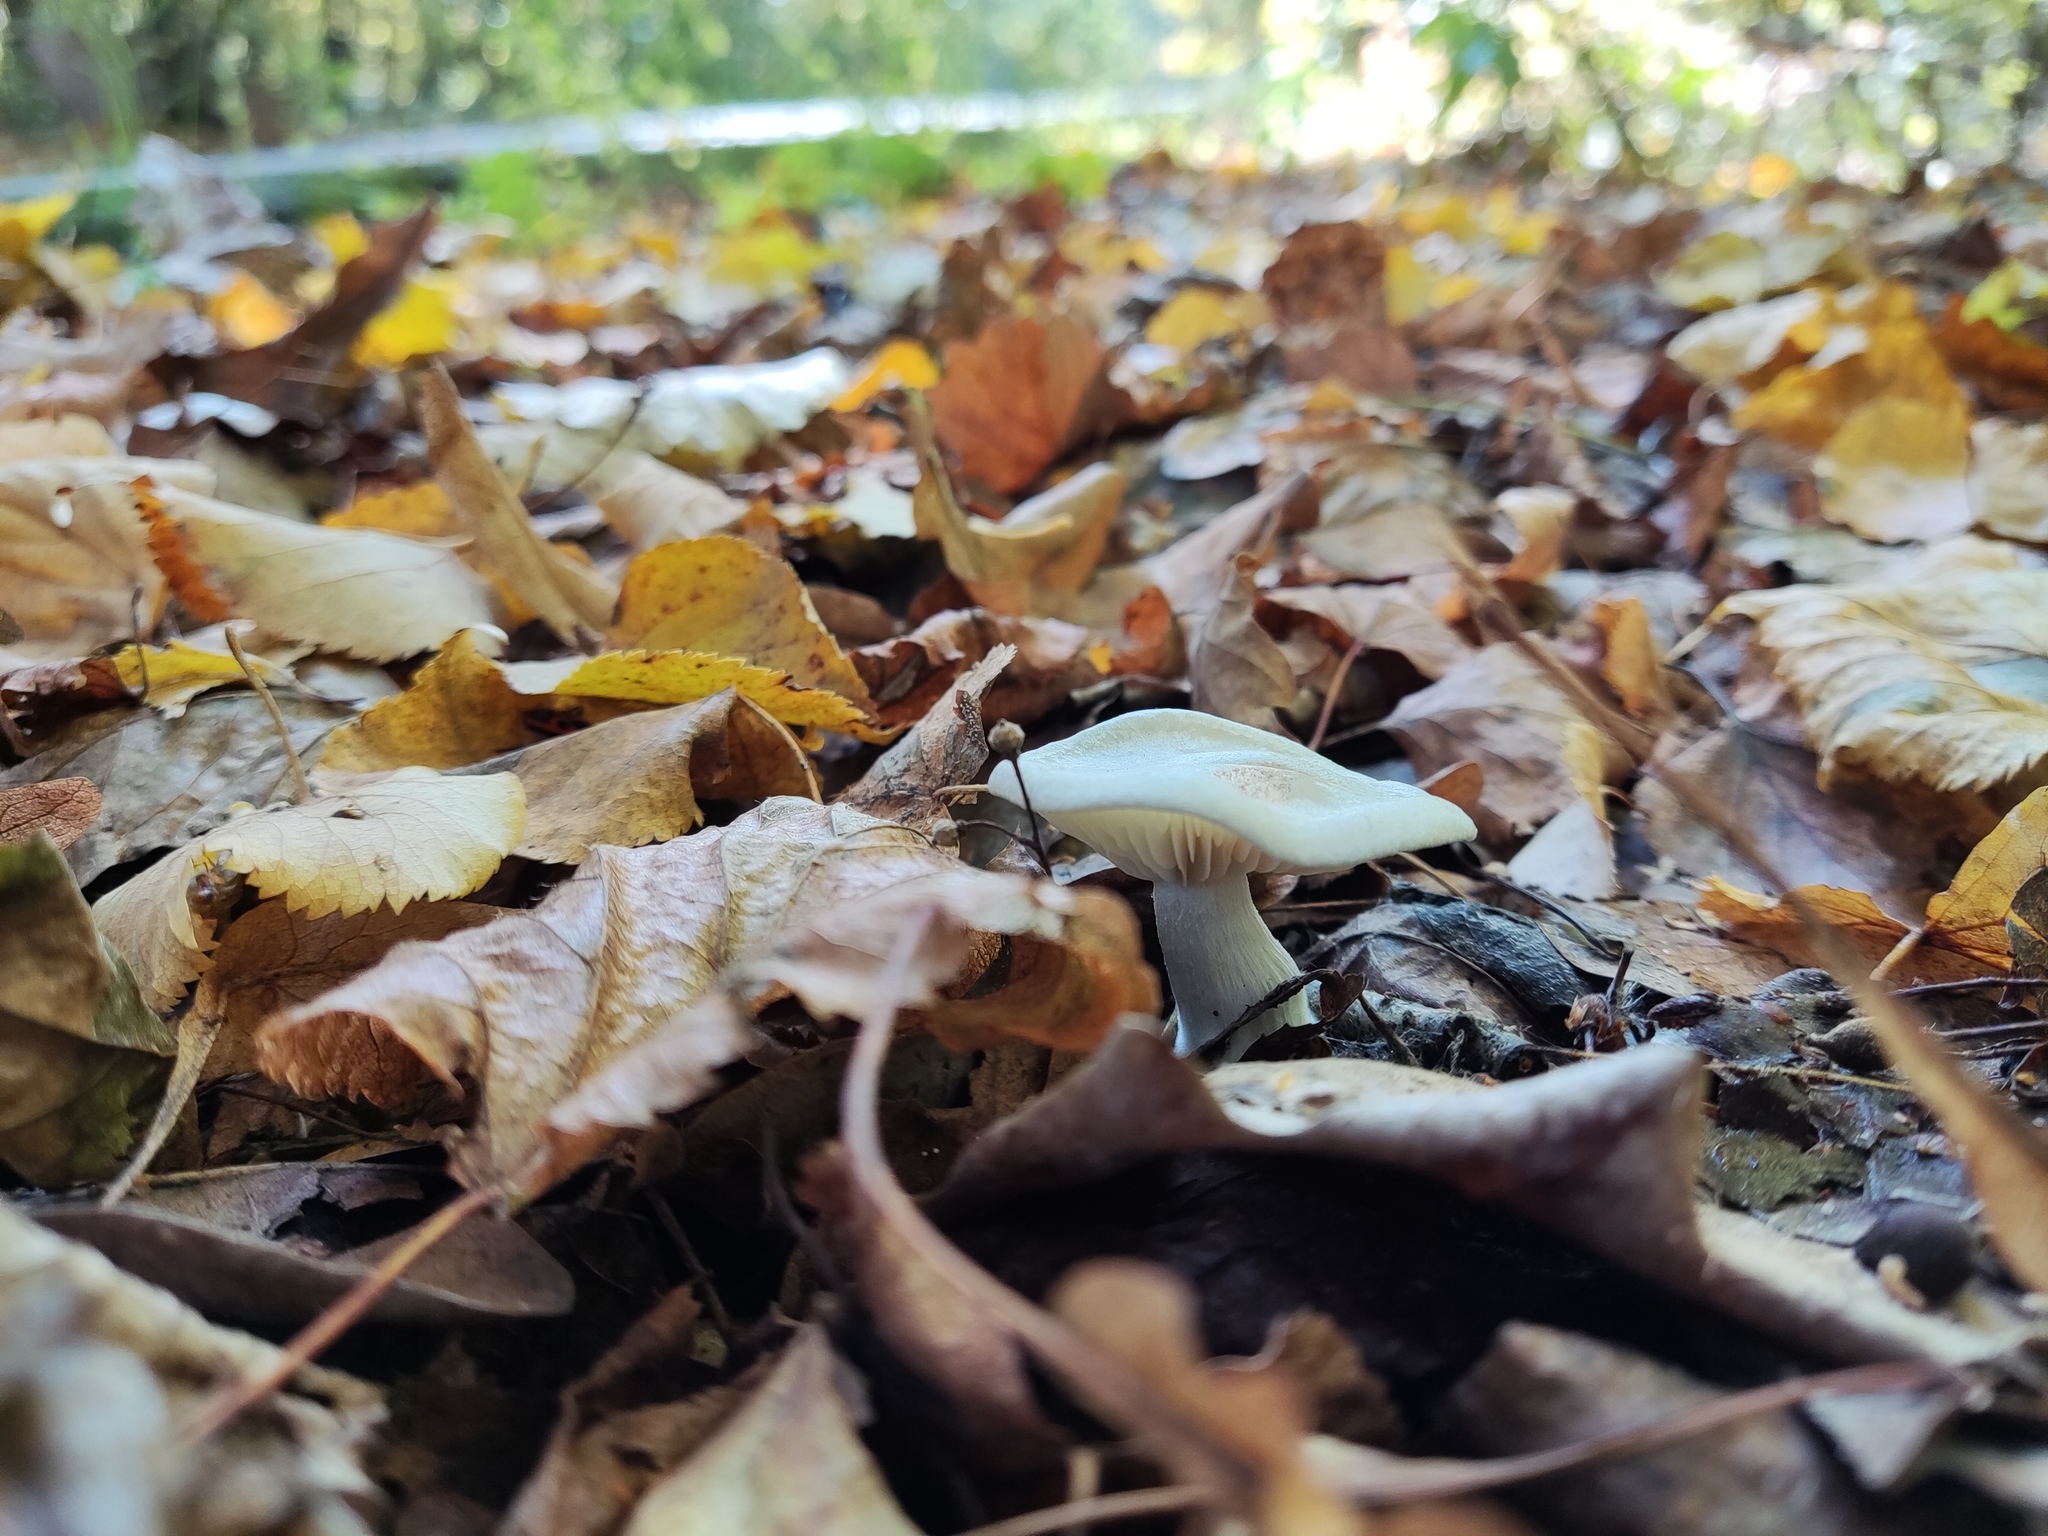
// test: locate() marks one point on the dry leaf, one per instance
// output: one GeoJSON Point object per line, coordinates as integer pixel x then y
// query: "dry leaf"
{"type": "Point", "coordinates": [1387, 618]}
{"type": "Point", "coordinates": [678, 677]}
{"type": "Point", "coordinates": [1539, 755]}
{"type": "Point", "coordinates": [1235, 668]}
{"type": "Point", "coordinates": [791, 1460]}
{"type": "Point", "coordinates": [372, 595]}
{"type": "Point", "coordinates": [1904, 680]}
{"type": "Point", "coordinates": [907, 674]}
{"type": "Point", "coordinates": [638, 779]}
{"type": "Point", "coordinates": [1144, 1316]}
{"type": "Point", "coordinates": [648, 503]}
{"type": "Point", "coordinates": [63, 808]}
{"type": "Point", "coordinates": [410, 836]}
{"type": "Point", "coordinates": [458, 709]}
{"type": "Point", "coordinates": [1194, 571]}
{"type": "Point", "coordinates": [1017, 396]}
{"type": "Point", "coordinates": [1632, 666]}
{"type": "Point", "coordinates": [1970, 915]}
{"type": "Point", "coordinates": [947, 746]}
{"type": "Point", "coordinates": [505, 547]}
{"type": "Point", "coordinates": [1897, 470]}
{"type": "Point", "coordinates": [723, 596]}
{"type": "Point", "coordinates": [1328, 272]}
{"type": "Point", "coordinates": [1774, 921]}
{"type": "Point", "coordinates": [1571, 855]}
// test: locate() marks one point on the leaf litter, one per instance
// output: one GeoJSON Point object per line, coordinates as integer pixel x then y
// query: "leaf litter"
{"type": "Point", "coordinates": [503, 878]}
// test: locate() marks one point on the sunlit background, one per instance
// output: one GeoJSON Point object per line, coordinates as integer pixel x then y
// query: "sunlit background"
{"type": "Point", "coordinates": [1690, 90]}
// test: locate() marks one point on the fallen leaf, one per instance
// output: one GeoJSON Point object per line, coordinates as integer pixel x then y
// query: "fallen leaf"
{"type": "Point", "coordinates": [247, 314]}
{"type": "Point", "coordinates": [1725, 268]}
{"type": "Point", "coordinates": [370, 594]}
{"type": "Point", "coordinates": [1726, 346]}
{"type": "Point", "coordinates": [1235, 669]}
{"type": "Point", "coordinates": [55, 437]}
{"type": "Point", "coordinates": [900, 363]}
{"type": "Point", "coordinates": [164, 781]}
{"type": "Point", "coordinates": [458, 709]}
{"type": "Point", "coordinates": [63, 808]}
{"type": "Point", "coordinates": [414, 834]}
{"type": "Point", "coordinates": [1050, 543]}
{"type": "Point", "coordinates": [419, 511]}
{"type": "Point", "coordinates": [1193, 572]}
{"type": "Point", "coordinates": [1538, 753]}
{"type": "Point", "coordinates": [1145, 1317]}
{"type": "Point", "coordinates": [1381, 618]}
{"type": "Point", "coordinates": [1328, 272]}
{"type": "Point", "coordinates": [723, 596]}
{"type": "Point", "coordinates": [678, 677]}
{"type": "Point", "coordinates": [737, 1484]}
{"type": "Point", "coordinates": [947, 746]}
{"type": "Point", "coordinates": [111, 1365]}
{"type": "Point", "coordinates": [419, 322]}
{"type": "Point", "coordinates": [1572, 854]}
{"type": "Point", "coordinates": [505, 547]}
{"type": "Point", "coordinates": [638, 779]}
{"type": "Point", "coordinates": [1910, 681]}
{"type": "Point", "coordinates": [647, 503]}
{"type": "Point", "coordinates": [1017, 396]}
{"type": "Point", "coordinates": [1970, 915]}
{"type": "Point", "coordinates": [1897, 469]}
{"type": "Point", "coordinates": [1196, 315]}
{"type": "Point", "coordinates": [907, 674]}
{"type": "Point", "coordinates": [538, 1005]}
{"type": "Point", "coordinates": [1774, 921]}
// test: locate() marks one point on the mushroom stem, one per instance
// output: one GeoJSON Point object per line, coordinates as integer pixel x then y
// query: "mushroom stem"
{"type": "Point", "coordinates": [1220, 958]}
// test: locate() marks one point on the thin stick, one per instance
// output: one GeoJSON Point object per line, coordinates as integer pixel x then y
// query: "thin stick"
{"type": "Point", "coordinates": [284, 735]}
{"type": "Point", "coordinates": [666, 1215]}
{"type": "Point", "coordinates": [341, 1316]}
{"type": "Point", "coordinates": [1973, 983]}
{"type": "Point", "coordinates": [1103, 1506]}
{"type": "Point", "coordinates": [1899, 951]}
{"type": "Point", "coordinates": [1315, 742]}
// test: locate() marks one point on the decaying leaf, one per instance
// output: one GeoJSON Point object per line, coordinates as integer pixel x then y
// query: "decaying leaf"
{"type": "Point", "coordinates": [457, 709]}
{"type": "Point", "coordinates": [1017, 396]}
{"type": "Point", "coordinates": [947, 746]}
{"type": "Point", "coordinates": [739, 1480]}
{"type": "Point", "coordinates": [722, 596]}
{"type": "Point", "coordinates": [504, 545]}
{"type": "Point", "coordinates": [677, 677]}
{"type": "Point", "coordinates": [1235, 668]}
{"type": "Point", "coordinates": [64, 808]}
{"type": "Point", "coordinates": [411, 835]}
{"type": "Point", "coordinates": [539, 1003]}
{"type": "Point", "coordinates": [905, 675]}
{"type": "Point", "coordinates": [1970, 916]}
{"type": "Point", "coordinates": [1923, 680]}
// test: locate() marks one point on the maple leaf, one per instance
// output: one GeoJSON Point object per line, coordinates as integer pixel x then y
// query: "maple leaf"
{"type": "Point", "coordinates": [413, 834]}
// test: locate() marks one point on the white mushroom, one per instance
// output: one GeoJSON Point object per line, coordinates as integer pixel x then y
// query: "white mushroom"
{"type": "Point", "coordinates": [1196, 804]}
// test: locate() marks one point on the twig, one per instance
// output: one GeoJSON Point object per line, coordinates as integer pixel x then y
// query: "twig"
{"type": "Point", "coordinates": [141, 649]}
{"type": "Point", "coordinates": [337, 1319]}
{"type": "Point", "coordinates": [1403, 1052]}
{"type": "Point", "coordinates": [284, 735]}
{"type": "Point", "coordinates": [1972, 983]}
{"type": "Point", "coordinates": [1103, 1506]}
{"type": "Point", "coordinates": [1315, 742]}
{"type": "Point", "coordinates": [1909, 942]}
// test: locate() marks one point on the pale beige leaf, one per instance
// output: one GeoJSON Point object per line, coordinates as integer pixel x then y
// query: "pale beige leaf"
{"type": "Point", "coordinates": [789, 1463]}
{"type": "Point", "coordinates": [410, 836]}
{"type": "Point", "coordinates": [505, 547]}
{"type": "Point", "coordinates": [1905, 679]}
{"type": "Point", "coordinates": [648, 503]}
{"type": "Point", "coordinates": [373, 595]}
{"type": "Point", "coordinates": [1382, 618]}
{"type": "Point", "coordinates": [2009, 478]}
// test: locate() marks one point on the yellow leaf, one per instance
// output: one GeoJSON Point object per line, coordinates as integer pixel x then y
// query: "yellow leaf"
{"type": "Point", "coordinates": [1970, 915]}
{"type": "Point", "coordinates": [418, 323]}
{"type": "Point", "coordinates": [1415, 290]}
{"type": "Point", "coordinates": [564, 593]}
{"type": "Point", "coordinates": [411, 836]}
{"type": "Point", "coordinates": [1725, 268]}
{"type": "Point", "coordinates": [419, 511]}
{"type": "Point", "coordinates": [900, 364]}
{"type": "Point", "coordinates": [1436, 212]}
{"type": "Point", "coordinates": [178, 672]}
{"type": "Point", "coordinates": [726, 596]}
{"type": "Point", "coordinates": [676, 677]}
{"type": "Point", "coordinates": [1770, 174]}
{"type": "Point", "coordinates": [1196, 315]}
{"type": "Point", "coordinates": [1898, 469]}
{"type": "Point", "coordinates": [23, 224]}
{"type": "Point", "coordinates": [1519, 233]}
{"type": "Point", "coordinates": [774, 258]}
{"type": "Point", "coordinates": [1773, 922]}
{"type": "Point", "coordinates": [342, 234]}
{"type": "Point", "coordinates": [247, 314]}
{"type": "Point", "coordinates": [1808, 405]}
{"type": "Point", "coordinates": [1103, 249]}
{"type": "Point", "coordinates": [458, 709]}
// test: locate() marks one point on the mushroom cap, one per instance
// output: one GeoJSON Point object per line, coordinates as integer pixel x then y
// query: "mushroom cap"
{"type": "Point", "coordinates": [1172, 794]}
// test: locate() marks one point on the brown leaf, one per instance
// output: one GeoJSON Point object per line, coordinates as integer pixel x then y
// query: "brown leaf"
{"type": "Point", "coordinates": [638, 779]}
{"type": "Point", "coordinates": [1538, 753]}
{"type": "Point", "coordinates": [1328, 272]}
{"type": "Point", "coordinates": [905, 675]}
{"type": "Point", "coordinates": [1377, 618]}
{"type": "Point", "coordinates": [64, 808]}
{"type": "Point", "coordinates": [947, 746]}
{"type": "Point", "coordinates": [740, 1482]}
{"type": "Point", "coordinates": [504, 546]}
{"type": "Point", "coordinates": [1194, 571]}
{"type": "Point", "coordinates": [1235, 668]}
{"type": "Point", "coordinates": [1017, 396]}
{"type": "Point", "coordinates": [1144, 1316]}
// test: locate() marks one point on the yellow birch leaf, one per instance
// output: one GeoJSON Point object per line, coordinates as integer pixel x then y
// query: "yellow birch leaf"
{"type": "Point", "coordinates": [726, 596]}
{"type": "Point", "coordinates": [178, 672]}
{"type": "Point", "coordinates": [418, 323]}
{"type": "Point", "coordinates": [415, 835]}
{"type": "Point", "coordinates": [458, 709]}
{"type": "Point", "coordinates": [900, 364]}
{"type": "Point", "coordinates": [23, 224]}
{"type": "Point", "coordinates": [1196, 315]}
{"type": "Point", "coordinates": [419, 511]}
{"type": "Point", "coordinates": [247, 314]}
{"type": "Point", "coordinates": [562, 592]}
{"type": "Point", "coordinates": [677, 677]}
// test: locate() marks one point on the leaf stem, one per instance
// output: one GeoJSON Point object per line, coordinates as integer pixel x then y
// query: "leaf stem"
{"type": "Point", "coordinates": [284, 735]}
